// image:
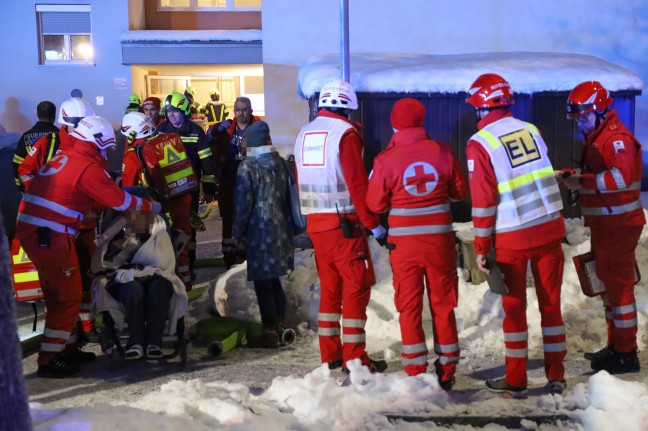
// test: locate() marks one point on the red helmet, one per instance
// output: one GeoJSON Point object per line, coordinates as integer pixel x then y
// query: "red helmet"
{"type": "Point", "coordinates": [587, 97]}
{"type": "Point", "coordinates": [490, 91]}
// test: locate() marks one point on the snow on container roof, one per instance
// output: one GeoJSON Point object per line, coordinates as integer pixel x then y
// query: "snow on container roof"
{"type": "Point", "coordinates": [192, 36]}
{"type": "Point", "coordinates": [527, 72]}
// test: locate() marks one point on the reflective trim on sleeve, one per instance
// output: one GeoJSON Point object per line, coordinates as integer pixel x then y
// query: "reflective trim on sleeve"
{"type": "Point", "coordinates": [483, 231]}
{"type": "Point", "coordinates": [618, 178]}
{"type": "Point", "coordinates": [484, 212]}
{"type": "Point", "coordinates": [128, 198]}
{"type": "Point", "coordinates": [204, 153]}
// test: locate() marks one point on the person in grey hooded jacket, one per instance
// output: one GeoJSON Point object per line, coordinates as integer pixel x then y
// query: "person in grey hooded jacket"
{"type": "Point", "coordinates": [262, 222]}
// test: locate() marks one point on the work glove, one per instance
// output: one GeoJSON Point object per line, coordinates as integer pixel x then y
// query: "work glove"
{"type": "Point", "coordinates": [378, 232]}
{"type": "Point", "coordinates": [224, 126]}
{"type": "Point", "coordinates": [156, 207]}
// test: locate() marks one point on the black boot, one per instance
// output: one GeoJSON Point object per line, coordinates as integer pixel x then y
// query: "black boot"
{"type": "Point", "coordinates": [57, 369]}
{"type": "Point", "coordinates": [601, 354]}
{"type": "Point", "coordinates": [268, 340]}
{"type": "Point", "coordinates": [618, 362]}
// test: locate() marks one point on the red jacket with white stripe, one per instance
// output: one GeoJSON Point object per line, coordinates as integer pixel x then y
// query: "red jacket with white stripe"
{"type": "Point", "coordinates": [66, 188]}
{"type": "Point", "coordinates": [415, 177]}
{"type": "Point", "coordinates": [484, 194]}
{"type": "Point", "coordinates": [612, 176]}
{"type": "Point", "coordinates": [40, 154]}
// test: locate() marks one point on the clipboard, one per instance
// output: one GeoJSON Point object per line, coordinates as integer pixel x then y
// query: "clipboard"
{"type": "Point", "coordinates": [495, 279]}
{"type": "Point", "coordinates": [591, 285]}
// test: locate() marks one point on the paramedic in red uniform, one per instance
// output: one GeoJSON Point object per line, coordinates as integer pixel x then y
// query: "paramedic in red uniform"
{"type": "Point", "coordinates": [49, 217]}
{"type": "Point", "coordinates": [609, 199]}
{"type": "Point", "coordinates": [516, 198]}
{"type": "Point", "coordinates": [138, 128]}
{"type": "Point", "coordinates": [332, 187]}
{"type": "Point", "coordinates": [71, 112]}
{"type": "Point", "coordinates": [415, 178]}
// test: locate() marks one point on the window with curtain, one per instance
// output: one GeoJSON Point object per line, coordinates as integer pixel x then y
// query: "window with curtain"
{"type": "Point", "coordinates": [64, 33]}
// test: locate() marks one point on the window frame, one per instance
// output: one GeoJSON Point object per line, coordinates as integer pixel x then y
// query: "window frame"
{"type": "Point", "coordinates": [193, 7]}
{"type": "Point", "coordinates": [67, 37]}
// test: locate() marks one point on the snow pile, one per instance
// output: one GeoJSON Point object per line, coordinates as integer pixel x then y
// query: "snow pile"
{"type": "Point", "coordinates": [192, 36]}
{"type": "Point", "coordinates": [527, 72]}
{"type": "Point", "coordinates": [324, 401]}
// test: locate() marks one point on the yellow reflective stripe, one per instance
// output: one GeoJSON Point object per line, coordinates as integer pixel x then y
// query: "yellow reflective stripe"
{"type": "Point", "coordinates": [193, 139]}
{"type": "Point", "coordinates": [17, 159]}
{"type": "Point", "coordinates": [208, 179]}
{"type": "Point", "coordinates": [492, 140]}
{"type": "Point", "coordinates": [525, 179]}
{"type": "Point", "coordinates": [51, 148]}
{"type": "Point", "coordinates": [203, 154]}
{"type": "Point", "coordinates": [177, 175]}
{"type": "Point", "coordinates": [24, 277]}
{"type": "Point", "coordinates": [172, 156]}
{"type": "Point", "coordinates": [20, 257]}
{"type": "Point", "coordinates": [533, 128]}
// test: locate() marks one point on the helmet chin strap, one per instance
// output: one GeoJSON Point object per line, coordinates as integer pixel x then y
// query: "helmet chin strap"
{"type": "Point", "coordinates": [600, 115]}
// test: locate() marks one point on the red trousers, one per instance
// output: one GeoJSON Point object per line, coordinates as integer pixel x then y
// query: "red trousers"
{"type": "Point", "coordinates": [179, 210]}
{"type": "Point", "coordinates": [58, 269]}
{"type": "Point", "coordinates": [547, 267]}
{"type": "Point", "coordinates": [346, 276]}
{"type": "Point", "coordinates": [614, 252]}
{"type": "Point", "coordinates": [419, 261]}
{"type": "Point", "coordinates": [85, 247]}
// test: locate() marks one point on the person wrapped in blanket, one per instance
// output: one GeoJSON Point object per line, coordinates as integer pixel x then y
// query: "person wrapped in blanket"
{"type": "Point", "coordinates": [139, 283]}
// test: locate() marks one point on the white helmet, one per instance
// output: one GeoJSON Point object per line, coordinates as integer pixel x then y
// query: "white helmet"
{"type": "Point", "coordinates": [214, 90]}
{"type": "Point", "coordinates": [96, 130]}
{"type": "Point", "coordinates": [137, 122]}
{"type": "Point", "coordinates": [73, 110]}
{"type": "Point", "coordinates": [338, 94]}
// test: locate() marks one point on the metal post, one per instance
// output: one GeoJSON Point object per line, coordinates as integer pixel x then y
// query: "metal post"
{"type": "Point", "coordinates": [345, 67]}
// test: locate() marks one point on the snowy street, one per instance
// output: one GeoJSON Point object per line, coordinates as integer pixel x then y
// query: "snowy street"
{"type": "Point", "coordinates": [255, 389]}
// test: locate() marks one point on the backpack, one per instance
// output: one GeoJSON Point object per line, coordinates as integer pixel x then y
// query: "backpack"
{"type": "Point", "coordinates": [167, 167]}
{"type": "Point", "coordinates": [292, 194]}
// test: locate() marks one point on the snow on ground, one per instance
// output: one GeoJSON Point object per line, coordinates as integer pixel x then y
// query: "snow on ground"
{"type": "Point", "coordinates": [322, 401]}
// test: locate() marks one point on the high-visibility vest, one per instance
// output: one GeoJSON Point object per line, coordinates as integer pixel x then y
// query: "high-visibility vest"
{"type": "Point", "coordinates": [26, 283]}
{"type": "Point", "coordinates": [166, 164]}
{"type": "Point", "coordinates": [322, 187]}
{"type": "Point", "coordinates": [528, 190]}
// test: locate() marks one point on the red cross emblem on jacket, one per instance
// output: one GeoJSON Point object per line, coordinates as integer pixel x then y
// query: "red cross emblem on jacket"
{"type": "Point", "coordinates": [420, 178]}
{"type": "Point", "coordinates": [54, 165]}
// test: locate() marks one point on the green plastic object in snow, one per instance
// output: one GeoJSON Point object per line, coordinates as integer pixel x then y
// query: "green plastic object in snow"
{"type": "Point", "coordinates": [222, 334]}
